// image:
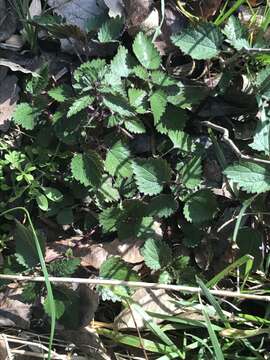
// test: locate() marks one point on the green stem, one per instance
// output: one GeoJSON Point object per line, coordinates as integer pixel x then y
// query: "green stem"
{"type": "Point", "coordinates": [220, 20]}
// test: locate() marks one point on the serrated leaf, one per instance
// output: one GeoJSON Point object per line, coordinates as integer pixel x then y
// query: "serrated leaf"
{"type": "Point", "coordinates": [80, 104]}
{"type": "Point", "coordinates": [263, 82]}
{"type": "Point", "coordinates": [89, 73]}
{"type": "Point", "coordinates": [61, 93]}
{"type": "Point", "coordinates": [25, 245]}
{"type": "Point", "coordinates": [192, 235]}
{"type": "Point", "coordinates": [141, 72]}
{"type": "Point", "coordinates": [182, 141]}
{"type": "Point", "coordinates": [108, 219]}
{"type": "Point", "coordinates": [106, 191]}
{"type": "Point", "coordinates": [158, 102]}
{"type": "Point", "coordinates": [251, 177]}
{"type": "Point", "coordinates": [235, 33]}
{"type": "Point", "coordinates": [200, 206]}
{"type": "Point", "coordinates": [200, 42]}
{"type": "Point", "coordinates": [64, 267]}
{"type": "Point", "coordinates": [162, 79]}
{"type": "Point", "coordinates": [26, 116]}
{"type": "Point", "coordinates": [135, 126]}
{"type": "Point", "coordinates": [110, 30]}
{"type": "Point", "coordinates": [119, 64]}
{"type": "Point", "coordinates": [191, 172]}
{"type": "Point", "coordinates": [261, 141]}
{"type": "Point", "coordinates": [172, 120]}
{"type": "Point", "coordinates": [157, 254]}
{"type": "Point", "coordinates": [162, 206]}
{"type": "Point", "coordinates": [138, 99]}
{"type": "Point", "coordinates": [87, 168]}
{"type": "Point", "coordinates": [38, 83]}
{"type": "Point", "coordinates": [118, 104]}
{"type": "Point", "coordinates": [151, 175]}
{"type": "Point", "coordinates": [118, 160]}
{"type": "Point", "coordinates": [146, 52]}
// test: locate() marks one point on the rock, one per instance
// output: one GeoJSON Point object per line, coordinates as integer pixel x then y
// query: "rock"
{"type": "Point", "coordinates": [9, 91]}
{"type": "Point", "coordinates": [8, 21]}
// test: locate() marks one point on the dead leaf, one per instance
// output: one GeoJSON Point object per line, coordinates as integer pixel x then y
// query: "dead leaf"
{"type": "Point", "coordinates": [137, 11]}
{"type": "Point", "coordinates": [116, 7]}
{"type": "Point", "coordinates": [16, 67]}
{"type": "Point", "coordinates": [8, 98]}
{"type": "Point", "coordinates": [128, 250]}
{"type": "Point", "coordinates": [156, 301]}
{"type": "Point", "coordinates": [204, 8]}
{"type": "Point", "coordinates": [93, 255]}
{"type": "Point", "coordinates": [57, 249]}
{"type": "Point", "coordinates": [35, 9]}
{"type": "Point", "coordinates": [3, 348]}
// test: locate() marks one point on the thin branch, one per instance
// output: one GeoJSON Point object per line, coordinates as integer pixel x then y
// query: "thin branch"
{"type": "Point", "coordinates": [231, 144]}
{"type": "Point", "coordinates": [137, 284]}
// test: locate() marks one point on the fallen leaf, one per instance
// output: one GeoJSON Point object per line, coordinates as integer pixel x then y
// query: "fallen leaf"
{"type": "Point", "coordinates": [8, 98]}
{"type": "Point", "coordinates": [3, 348]}
{"type": "Point", "coordinates": [57, 249]}
{"type": "Point", "coordinates": [128, 250]}
{"type": "Point", "coordinates": [16, 67]}
{"type": "Point", "coordinates": [156, 301]}
{"type": "Point", "coordinates": [93, 255]}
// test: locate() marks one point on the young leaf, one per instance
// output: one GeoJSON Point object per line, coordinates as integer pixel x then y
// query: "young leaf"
{"type": "Point", "coordinates": [110, 30]}
{"type": "Point", "coordinates": [87, 168]}
{"type": "Point", "coordinates": [200, 206]}
{"type": "Point", "coordinates": [236, 33]}
{"type": "Point", "coordinates": [191, 172]}
{"type": "Point", "coordinates": [118, 160]}
{"type": "Point", "coordinates": [26, 116]}
{"type": "Point", "coordinates": [80, 104]}
{"type": "Point", "coordinates": [161, 206]}
{"type": "Point", "coordinates": [146, 52]}
{"type": "Point", "coordinates": [158, 102]}
{"type": "Point", "coordinates": [182, 141]}
{"type": "Point", "coordinates": [61, 93]}
{"type": "Point", "coordinates": [118, 104]}
{"type": "Point", "coordinates": [251, 177]}
{"type": "Point", "coordinates": [261, 140]}
{"type": "Point", "coordinates": [157, 254]}
{"type": "Point", "coordinates": [119, 66]}
{"type": "Point", "coordinates": [151, 175]}
{"type": "Point", "coordinates": [200, 42]}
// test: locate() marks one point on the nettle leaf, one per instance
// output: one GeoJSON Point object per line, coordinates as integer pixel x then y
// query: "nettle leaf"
{"type": "Point", "coordinates": [61, 93]}
{"type": "Point", "coordinates": [162, 206]}
{"type": "Point", "coordinates": [64, 267]}
{"type": "Point", "coordinates": [151, 175]}
{"type": "Point", "coordinates": [80, 104]}
{"type": "Point", "coordinates": [135, 126]}
{"type": "Point", "coordinates": [182, 141]}
{"type": "Point", "coordinates": [191, 172]}
{"type": "Point", "coordinates": [251, 177]}
{"type": "Point", "coordinates": [26, 116]}
{"type": "Point", "coordinates": [172, 120]}
{"type": "Point", "coordinates": [111, 30]}
{"type": "Point", "coordinates": [146, 52]}
{"type": "Point", "coordinates": [118, 160]}
{"type": "Point", "coordinates": [106, 191]}
{"type": "Point", "coordinates": [200, 42]}
{"type": "Point", "coordinates": [108, 219]}
{"type": "Point", "coordinates": [38, 83]}
{"type": "Point", "coordinates": [119, 64]}
{"type": "Point", "coordinates": [261, 140]}
{"type": "Point", "coordinates": [200, 206]}
{"type": "Point", "coordinates": [141, 72]}
{"type": "Point", "coordinates": [87, 168]}
{"type": "Point", "coordinates": [157, 254]}
{"type": "Point", "coordinates": [25, 246]}
{"type": "Point", "coordinates": [263, 82]}
{"type": "Point", "coordinates": [90, 72]}
{"type": "Point", "coordinates": [138, 100]}
{"type": "Point", "coordinates": [236, 33]}
{"type": "Point", "coordinates": [158, 102]}
{"type": "Point", "coordinates": [118, 104]}
{"type": "Point", "coordinates": [160, 78]}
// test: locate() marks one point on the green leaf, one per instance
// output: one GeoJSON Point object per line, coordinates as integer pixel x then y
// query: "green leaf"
{"type": "Point", "coordinates": [157, 254]}
{"type": "Point", "coordinates": [59, 307]}
{"type": "Point", "coordinates": [80, 104]}
{"type": "Point", "coordinates": [64, 267]}
{"type": "Point", "coordinates": [118, 160]}
{"type": "Point", "coordinates": [251, 177]}
{"type": "Point", "coordinates": [261, 140]}
{"type": "Point", "coordinates": [87, 168]}
{"type": "Point", "coordinates": [119, 64]}
{"type": "Point", "coordinates": [192, 235]}
{"type": "Point", "coordinates": [39, 83]}
{"type": "Point", "coordinates": [200, 206]}
{"type": "Point", "coordinates": [141, 72]}
{"type": "Point", "coordinates": [108, 219]}
{"type": "Point", "coordinates": [173, 119]}
{"type": "Point", "coordinates": [191, 172]}
{"type": "Point", "coordinates": [135, 126]}
{"type": "Point", "coordinates": [110, 30]}
{"type": "Point", "coordinates": [182, 141]}
{"type": "Point", "coordinates": [138, 100]}
{"type": "Point", "coordinates": [151, 175]}
{"type": "Point", "coordinates": [201, 42]}
{"type": "Point", "coordinates": [162, 79]}
{"type": "Point", "coordinates": [161, 206]}
{"type": "Point", "coordinates": [61, 93]}
{"type": "Point", "coordinates": [236, 33]}
{"type": "Point", "coordinates": [263, 82]}
{"type": "Point", "coordinates": [158, 102]}
{"type": "Point", "coordinates": [249, 242]}
{"type": "Point", "coordinates": [53, 194]}
{"type": "Point", "coordinates": [118, 104]}
{"type": "Point", "coordinates": [146, 52]}
{"type": "Point", "coordinates": [65, 216]}
{"type": "Point", "coordinates": [90, 72]}
{"type": "Point", "coordinates": [42, 202]}
{"type": "Point", "coordinates": [26, 116]}
{"type": "Point", "coordinates": [25, 245]}
{"type": "Point", "coordinates": [106, 191]}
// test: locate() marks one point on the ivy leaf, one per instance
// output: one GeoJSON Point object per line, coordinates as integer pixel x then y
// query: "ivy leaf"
{"type": "Point", "coordinates": [235, 33]}
{"type": "Point", "coordinates": [118, 160]}
{"type": "Point", "coordinates": [25, 246]}
{"type": "Point", "coordinates": [26, 116]}
{"type": "Point", "coordinates": [135, 126]}
{"type": "Point", "coordinates": [110, 30]}
{"type": "Point", "coordinates": [87, 168]}
{"type": "Point", "coordinates": [261, 140]}
{"type": "Point", "coordinates": [118, 104]}
{"type": "Point", "coordinates": [251, 177]}
{"type": "Point", "coordinates": [108, 219]}
{"type": "Point", "coordinates": [61, 93]}
{"type": "Point", "coordinates": [200, 42]}
{"type": "Point", "coordinates": [162, 206]}
{"type": "Point", "coordinates": [138, 99]}
{"type": "Point", "coordinates": [182, 141]}
{"type": "Point", "coordinates": [151, 175]}
{"type": "Point", "coordinates": [119, 66]}
{"type": "Point", "coordinates": [79, 105]}
{"type": "Point", "coordinates": [158, 102]}
{"type": "Point", "coordinates": [157, 254]}
{"type": "Point", "coordinates": [200, 206]}
{"type": "Point", "coordinates": [191, 172]}
{"type": "Point", "coordinates": [146, 52]}
{"type": "Point", "coordinates": [172, 120]}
